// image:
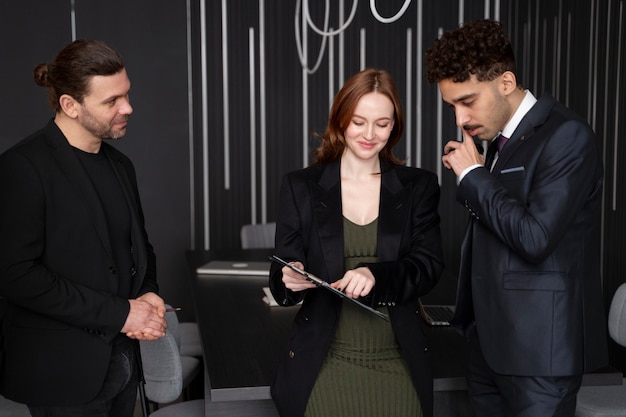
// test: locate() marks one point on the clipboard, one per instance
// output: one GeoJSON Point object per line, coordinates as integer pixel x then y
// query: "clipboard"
{"type": "Point", "coordinates": [321, 283]}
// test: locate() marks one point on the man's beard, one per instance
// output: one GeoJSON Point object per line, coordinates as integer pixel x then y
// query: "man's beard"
{"type": "Point", "coordinates": [99, 129]}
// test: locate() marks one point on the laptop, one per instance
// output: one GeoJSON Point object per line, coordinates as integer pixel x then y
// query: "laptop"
{"type": "Point", "coordinates": [218, 267]}
{"type": "Point", "coordinates": [437, 314]}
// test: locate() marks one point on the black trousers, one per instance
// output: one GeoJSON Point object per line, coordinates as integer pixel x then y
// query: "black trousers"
{"type": "Point", "coordinates": [118, 395]}
{"type": "Point", "coordinates": [495, 395]}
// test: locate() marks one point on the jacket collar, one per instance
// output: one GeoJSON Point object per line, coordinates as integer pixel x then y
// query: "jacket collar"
{"type": "Point", "coordinates": [535, 117]}
{"type": "Point", "coordinates": [327, 214]}
{"type": "Point", "coordinates": [527, 127]}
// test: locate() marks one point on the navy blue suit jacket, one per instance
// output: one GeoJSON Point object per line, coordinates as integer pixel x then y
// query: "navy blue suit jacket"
{"type": "Point", "coordinates": [57, 271]}
{"type": "Point", "coordinates": [310, 229]}
{"type": "Point", "coordinates": [530, 260]}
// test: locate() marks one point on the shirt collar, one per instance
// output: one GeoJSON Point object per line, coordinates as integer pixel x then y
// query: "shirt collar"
{"type": "Point", "coordinates": [527, 103]}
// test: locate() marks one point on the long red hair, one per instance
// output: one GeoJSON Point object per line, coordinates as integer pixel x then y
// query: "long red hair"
{"type": "Point", "coordinates": [367, 81]}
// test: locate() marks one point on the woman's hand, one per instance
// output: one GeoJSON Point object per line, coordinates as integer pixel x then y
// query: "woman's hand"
{"type": "Point", "coordinates": [356, 282]}
{"type": "Point", "coordinates": [295, 281]}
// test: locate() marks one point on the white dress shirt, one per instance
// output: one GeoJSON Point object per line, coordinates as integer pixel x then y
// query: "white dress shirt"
{"type": "Point", "coordinates": [527, 103]}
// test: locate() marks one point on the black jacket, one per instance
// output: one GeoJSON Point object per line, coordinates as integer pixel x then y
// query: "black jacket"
{"type": "Point", "coordinates": [537, 302]}
{"type": "Point", "coordinates": [310, 229]}
{"type": "Point", "coordinates": [57, 271]}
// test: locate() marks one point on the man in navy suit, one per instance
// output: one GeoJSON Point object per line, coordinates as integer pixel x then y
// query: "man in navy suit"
{"type": "Point", "coordinates": [529, 294]}
{"type": "Point", "coordinates": [77, 271]}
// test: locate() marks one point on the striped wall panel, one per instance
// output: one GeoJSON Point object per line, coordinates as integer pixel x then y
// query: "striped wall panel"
{"type": "Point", "coordinates": [270, 74]}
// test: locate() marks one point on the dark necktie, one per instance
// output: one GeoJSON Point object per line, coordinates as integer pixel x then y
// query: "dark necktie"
{"type": "Point", "coordinates": [500, 142]}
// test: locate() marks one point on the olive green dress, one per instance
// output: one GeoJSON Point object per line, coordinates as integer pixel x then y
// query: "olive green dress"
{"type": "Point", "coordinates": [364, 373]}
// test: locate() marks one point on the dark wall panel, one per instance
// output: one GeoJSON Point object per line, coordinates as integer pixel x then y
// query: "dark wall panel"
{"type": "Point", "coordinates": [569, 49]}
{"type": "Point", "coordinates": [31, 32]}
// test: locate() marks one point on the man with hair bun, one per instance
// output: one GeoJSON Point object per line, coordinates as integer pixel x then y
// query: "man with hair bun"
{"type": "Point", "coordinates": [529, 295]}
{"type": "Point", "coordinates": [77, 272]}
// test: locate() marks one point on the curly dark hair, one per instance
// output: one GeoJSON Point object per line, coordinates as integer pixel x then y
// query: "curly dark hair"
{"type": "Point", "coordinates": [481, 48]}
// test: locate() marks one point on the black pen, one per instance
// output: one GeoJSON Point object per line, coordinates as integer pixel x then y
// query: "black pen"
{"type": "Point", "coordinates": [167, 310]}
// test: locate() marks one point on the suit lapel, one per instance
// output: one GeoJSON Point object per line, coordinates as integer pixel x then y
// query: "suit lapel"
{"type": "Point", "coordinates": [526, 129]}
{"type": "Point", "coordinates": [394, 206]}
{"type": "Point", "coordinates": [326, 200]}
{"type": "Point", "coordinates": [137, 238]}
{"type": "Point", "coordinates": [76, 175]}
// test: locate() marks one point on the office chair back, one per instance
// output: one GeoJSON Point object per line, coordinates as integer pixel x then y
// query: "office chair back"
{"type": "Point", "coordinates": [10, 408]}
{"type": "Point", "coordinates": [162, 369]}
{"type": "Point", "coordinates": [166, 372]}
{"type": "Point", "coordinates": [617, 316]}
{"type": "Point", "coordinates": [607, 401]}
{"type": "Point", "coordinates": [258, 236]}
{"type": "Point", "coordinates": [191, 366]}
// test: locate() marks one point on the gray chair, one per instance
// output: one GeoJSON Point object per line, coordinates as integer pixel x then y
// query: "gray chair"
{"type": "Point", "coordinates": [166, 372]}
{"type": "Point", "coordinates": [191, 365]}
{"type": "Point", "coordinates": [163, 372]}
{"type": "Point", "coordinates": [10, 408]}
{"type": "Point", "coordinates": [258, 236]}
{"type": "Point", "coordinates": [607, 401]}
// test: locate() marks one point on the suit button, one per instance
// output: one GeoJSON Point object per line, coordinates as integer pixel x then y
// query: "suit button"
{"type": "Point", "coordinates": [291, 354]}
{"type": "Point", "coordinates": [113, 270]}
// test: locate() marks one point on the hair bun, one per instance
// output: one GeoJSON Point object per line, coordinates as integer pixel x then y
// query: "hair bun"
{"type": "Point", "coordinates": [40, 74]}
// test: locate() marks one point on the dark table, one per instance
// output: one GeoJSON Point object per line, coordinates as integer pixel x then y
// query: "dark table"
{"type": "Point", "coordinates": [243, 338]}
{"type": "Point", "coordinates": [241, 334]}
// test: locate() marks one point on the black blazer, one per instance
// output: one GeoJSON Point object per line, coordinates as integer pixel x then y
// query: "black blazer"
{"type": "Point", "coordinates": [57, 271]}
{"type": "Point", "coordinates": [310, 229]}
{"type": "Point", "coordinates": [530, 260]}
